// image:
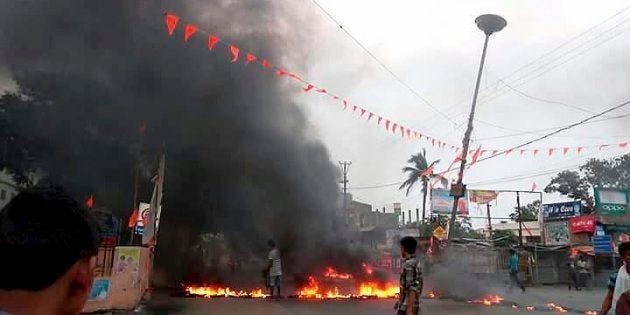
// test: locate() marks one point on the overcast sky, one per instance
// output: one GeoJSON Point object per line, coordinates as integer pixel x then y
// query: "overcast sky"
{"type": "Point", "coordinates": [435, 48]}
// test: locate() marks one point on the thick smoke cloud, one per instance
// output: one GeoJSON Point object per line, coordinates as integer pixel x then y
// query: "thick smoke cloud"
{"type": "Point", "coordinates": [239, 157]}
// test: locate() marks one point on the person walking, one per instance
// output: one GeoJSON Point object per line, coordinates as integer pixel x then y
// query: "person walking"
{"type": "Point", "coordinates": [573, 281]}
{"type": "Point", "coordinates": [411, 280]}
{"type": "Point", "coordinates": [582, 269]}
{"type": "Point", "coordinates": [274, 266]}
{"type": "Point", "coordinates": [513, 270]}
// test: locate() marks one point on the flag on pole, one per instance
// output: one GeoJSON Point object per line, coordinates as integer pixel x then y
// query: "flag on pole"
{"type": "Point", "coordinates": [133, 219]}
{"type": "Point", "coordinates": [534, 186]}
{"type": "Point", "coordinates": [89, 202]}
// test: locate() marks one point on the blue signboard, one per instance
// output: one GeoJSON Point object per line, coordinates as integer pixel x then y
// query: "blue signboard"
{"type": "Point", "coordinates": [602, 244]}
{"type": "Point", "coordinates": [561, 210]}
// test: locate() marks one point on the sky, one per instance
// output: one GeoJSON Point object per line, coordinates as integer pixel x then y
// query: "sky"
{"type": "Point", "coordinates": [573, 53]}
{"type": "Point", "coordinates": [569, 52]}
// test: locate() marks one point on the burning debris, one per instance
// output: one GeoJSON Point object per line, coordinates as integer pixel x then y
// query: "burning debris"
{"type": "Point", "coordinates": [557, 308]}
{"type": "Point", "coordinates": [488, 300]}
{"type": "Point", "coordinates": [216, 291]}
{"type": "Point", "coordinates": [330, 272]}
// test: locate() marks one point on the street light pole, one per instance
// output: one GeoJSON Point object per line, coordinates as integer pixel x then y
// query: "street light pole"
{"type": "Point", "coordinates": [488, 23]}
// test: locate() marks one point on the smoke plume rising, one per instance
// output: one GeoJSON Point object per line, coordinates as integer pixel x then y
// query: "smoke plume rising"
{"type": "Point", "coordinates": [239, 159]}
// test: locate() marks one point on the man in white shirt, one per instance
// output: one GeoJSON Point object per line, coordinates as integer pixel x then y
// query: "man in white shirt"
{"type": "Point", "coordinates": [275, 268]}
{"type": "Point", "coordinates": [618, 282]}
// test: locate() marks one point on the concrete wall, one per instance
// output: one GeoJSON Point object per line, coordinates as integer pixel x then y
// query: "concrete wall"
{"type": "Point", "coordinates": [128, 282]}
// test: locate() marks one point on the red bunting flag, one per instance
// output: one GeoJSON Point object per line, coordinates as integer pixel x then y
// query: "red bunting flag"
{"type": "Point", "coordinates": [415, 134]}
{"type": "Point", "coordinates": [432, 142]}
{"type": "Point", "coordinates": [370, 115]}
{"type": "Point", "coordinates": [354, 108]}
{"type": "Point", "coordinates": [579, 149]}
{"type": "Point", "coordinates": [494, 152]}
{"type": "Point", "coordinates": [133, 219]}
{"type": "Point", "coordinates": [321, 91]}
{"type": "Point", "coordinates": [335, 97]}
{"type": "Point", "coordinates": [362, 112]}
{"type": "Point", "coordinates": [536, 152]}
{"type": "Point", "coordinates": [89, 202]}
{"type": "Point", "coordinates": [250, 58]}
{"type": "Point", "coordinates": [171, 22]}
{"type": "Point", "coordinates": [428, 171]}
{"type": "Point", "coordinates": [189, 31]}
{"type": "Point", "coordinates": [387, 124]}
{"type": "Point", "coordinates": [234, 50]}
{"type": "Point", "coordinates": [565, 150]}
{"type": "Point", "coordinates": [481, 153]}
{"type": "Point", "coordinates": [345, 104]}
{"type": "Point", "coordinates": [379, 120]}
{"type": "Point", "coordinates": [551, 151]}
{"type": "Point", "coordinates": [534, 186]}
{"type": "Point", "coordinates": [458, 158]}
{"type": "Point", "coordinates": [522, 151]}
{"type": "Point", "coordinates": [507, 152]}
{"type": "Point", "coordinates": [308, 87]}
{"type": "Point", "coordinates": [212, 40]}
{"type": "Point", "coordinates": [408, 133]}
{"type": "Point", "coordinates": [295, 76]}
{"type": "Point", "coordinates": [623, 145]}
{"type": "Point", "coordinates": [265, 64]}
{"type": "Point", "coordinates": [394, 128]}
{"type": "Point", "coordinates": [476, 156]}
{"type": "Point", "coordinates": [402, 131]}
{"type": "Point", "coordinates": [281, 72]}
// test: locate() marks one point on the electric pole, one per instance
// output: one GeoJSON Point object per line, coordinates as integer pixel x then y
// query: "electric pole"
{"type": "Point", "coordinates": [345, 168]}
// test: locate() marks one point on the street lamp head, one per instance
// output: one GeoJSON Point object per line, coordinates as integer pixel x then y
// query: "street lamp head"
{"type": "Point", "coordinates": [490, 23]}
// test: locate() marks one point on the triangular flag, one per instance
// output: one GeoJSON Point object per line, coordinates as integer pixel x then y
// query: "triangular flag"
{"type": "Point", "coordinates": [189, 31]}
{"type": "Point", "coordinates": [536, 151]}
{"type": "Point", "coordinates": [133, 219]}
{"type": "Point", "coordinates": [234, 50]}
{"type": "Point", "coordinates": [408, 133]}
{"type": "Point", "coordinates": [281, 72]}
{"type": "Point", "coordinates": [249, 58]}
{"type": "Point", "coordinates": [601, 146]}
{"type": "Point", "coordinates": [335, 97]}
{"type": "Point", "coordinates": [402, 131]}
{"type": "Point", "coordinates": [507, 152]}
{"type": "Point", "coordinates": [387, 124]}
{"type": "Point", "coordinates": [623, 145]}
{"type": "Point", "coordinates": [432, 142]}
{"type": "Point", "coordinates": [475, 156]}
{"type": "Point", "coordinates": [439, 144]}
{"type": "Point", "coordinates": [494, 152]}
{"type": "Point", "coordinates": [415, 134]}
{"type": "Point", "coordinates": [481, 153]}
{"type": "Point", "coordinates": [308, 87]}
{"type": "Point", "coordinates": [579, 149]}
{"type": "Point", "coordinates": [551, 151]}
{"type": "Point", "coordinates": [212, 40]}
{"type": "Point", "coordinates": [458, 158]}
{"type": "Point", "coordinates": [321, 91]}
{"type": "Point", "coordinates": [171, 22]}
{"type": "Point", "coordinates": [265, 64]}
{"type": "Point", "coordinates": [522, 151]}
{"type": "Point", "coordinates": [379, 120]}
{"type": "Point", "coordinates": [534, 186]}
{"type": "Point", "coordinates": [354, 108]}
{"type": "Point", "coordinates": [428, 171]}
{"type": "Point", "coordinates": [362, 112]}
{"type": "Point", "coordinates": [370, 115]}
{"type": "Point", "coordinates": [394, 128]}
{"type": "Point", "coordinates": [565, 150]}
{"type": "Point", "coordinates": [89, 202]}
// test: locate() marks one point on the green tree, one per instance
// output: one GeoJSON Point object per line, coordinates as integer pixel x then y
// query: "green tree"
{"type": "Point", "coordinates": [419, 171]}
{"type": "Point", "coordinates": [504, 238]}
{"type": "Point", "coordinates": [527, 213]}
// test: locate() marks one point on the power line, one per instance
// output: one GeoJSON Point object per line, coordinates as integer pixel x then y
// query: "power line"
{"type": "Point", "coordinates": [383, 65]}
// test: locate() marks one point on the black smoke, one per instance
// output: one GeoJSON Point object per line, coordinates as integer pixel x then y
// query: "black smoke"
{"type": "Point", "coordinates": [239, 158]}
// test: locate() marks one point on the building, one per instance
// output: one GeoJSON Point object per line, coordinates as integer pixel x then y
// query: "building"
{"type": "Point", "coordinates": [8, 188]}
{"type": "Point", "coordinates": [367, 225]}
{"type": "Point", "coordinates": [531, 230]}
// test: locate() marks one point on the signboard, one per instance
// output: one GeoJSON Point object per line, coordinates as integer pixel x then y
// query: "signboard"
{"type": "Point", "coordinates": [556, 233]}
{"type": "Point", "coordinates": [397, 208]}
{"type": "Point", "coordinates": [580, 224]}
{"type": "Point", "coordinates": [482, 196]}
{"type": "Point", "coordinates": [440, 233]}
{"type": "Point", "coordinates": [612, 202]}
{"type": "Point", "coordinates": [442, 202]}
{"type": "Point", "coordinates": [602, 244]}
{"type": "Point", "coordinates": [561, 210]}
{"type": "Point", "coordinates": [100, 290]}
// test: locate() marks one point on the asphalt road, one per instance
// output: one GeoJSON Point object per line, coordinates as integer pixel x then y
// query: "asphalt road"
{"type": "Point", "coordinates": [220, 306]}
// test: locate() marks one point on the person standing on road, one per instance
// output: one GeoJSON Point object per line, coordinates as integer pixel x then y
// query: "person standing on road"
{"type": "Point", "coordinates": [618, 282]}
{"type": "Point", "coordinates": [411, 280]}
{"type": "Point", "coordinates": [573, 274]}
{"type": "Point", "coordinates": [48, 245]}
{"type": "Point", "coordinates": [582, 268]}
{"type": "Point", "coordinates": [513, 269]}
{"type": "Point", "coordinates": [275, 268]}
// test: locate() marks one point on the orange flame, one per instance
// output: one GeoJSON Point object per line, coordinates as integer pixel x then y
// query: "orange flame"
{"type": "Point", "coordinates": [590, 313]}
{"type": "Point", "coordinates": [488, 300]}
{"type": "Point", "coordinates": [556, 308]}
{"type": "Point", "coordinates": [530, 308]}
{"type": "Point", "coordinates": [311, 290]}
{"type": "Point", "coordinates": [330, 272]}
{"type": "Point", "coordinates": [388, 290]}
{"type": "Point", "coordinates": [432, 295]}
{"type": "Point", "coordinates": [367, 268]}
{"type": "Point", "coordinates": [214, 291]}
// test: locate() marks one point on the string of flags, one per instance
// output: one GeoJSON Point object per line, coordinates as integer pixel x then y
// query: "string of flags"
{"type": "Point", "coordinates": [236, 54]}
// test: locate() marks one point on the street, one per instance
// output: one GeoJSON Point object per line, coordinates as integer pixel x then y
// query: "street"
{"type": "Point", "coordinates": [575, 302]}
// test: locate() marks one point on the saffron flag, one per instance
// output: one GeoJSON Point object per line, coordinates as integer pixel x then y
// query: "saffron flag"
{"type": "Point", "coordinates": [249, 58]}
{"type": "Point", "coordinates": [171, 22]}
{"type": "Point", "coordinates": [428, 171]}
{"type": "Point", "coordinates": [475, 156]}
{"type": "Point", "coordinates": [133, 218]}
{"type": "Point", "coordinates": [362, 112]}
{"type": "Point", "coordinates": [212, 40]}
{"type": "Point", "coordinates": [234, 50]}
{"type": "Point", "coordinates": [370, 115]}
{"type": "Point", "coordinates": [534, 186]}
{"type": "Point", "coordinates": [89, 202]}
{"type": "Point", "coordinates": [387, 124]}
{"type": "Point", "coordinates": [565, 150]}
{"type": "Point", "coordinates": [379, 120]}
{"type": "Point", "coordinates": [265, 64]}
{"type": "Point", "coordinates": [189, 31]}
{"type": "Point", "coordinates": [308, 87]}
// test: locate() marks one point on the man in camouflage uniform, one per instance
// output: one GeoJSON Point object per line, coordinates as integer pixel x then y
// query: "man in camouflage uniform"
{"type": "Point", "coordinates": [410, 279]}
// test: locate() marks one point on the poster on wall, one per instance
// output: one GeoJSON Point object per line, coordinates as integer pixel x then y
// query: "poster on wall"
{"type": "Point", "coordinates": [100, 290]}
{"type": "Point", "coordinates": [442, 202]}
{"type": "Point", "coordinates": [556, 233]}
{"type": "Point", "coordinates": [582, 224]}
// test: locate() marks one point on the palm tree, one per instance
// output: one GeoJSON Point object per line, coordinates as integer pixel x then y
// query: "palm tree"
{"type": "Point", "coordinates": [419, 170]}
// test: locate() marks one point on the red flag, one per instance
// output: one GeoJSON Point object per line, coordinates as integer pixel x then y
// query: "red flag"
{"type": "Point", "coordinates": [295, 76]}
{"type": "Point", "coordinates": [370, 115]}
{"type": "Point", "coordinates": [387, 124]}
{"type": "Point", "coordinates": [494, 152]}
{"type": "Point", "coordinates": [379, 120]}
{"type": "Point", "coordinates": [394, 127]}
{"type": "Point", "coordinates": [415, 134]}
{"type": "Point", "coordinates": [362, 112]}
{"type": "Point", "coordinates": [579, 149]}
{"type": "Point", "coordinates": [481, 153]}
{"type": "Point", "coordinates": [321, 91]}
{"type": "Point", "coordinates": [507, 152]}
{"type": "Point", "coordinates": [234, 50]}
{"type": "Point", "coordinates": [265, 64]}
{"type": "Point", "coordinates": [408, 133]}
{"type": "Point", "coordinates": [308, 87]}
{"type": "Point", "coordinates": [171, 22]}
{"type": "Point", "coordinates": [133, 219]}
{"type": "Point", "coordinates": [335, 97]}
{"type": "Point", "coordinates": [345, 104]}
{"type": "Point", "coordinates": [602, 146]}
{"type": "Point", "coordinates": [565, 150]}
{"type": "Point", "coordinates": [527, 229]}
{"type": "Point", "coordinates": [89, 202]}
{"type": "Point", "coordinates": [475, 156]}
{"type": "Point", "coordinates": [428, 171]}
{"type": "Point", "coordinates": [189, 31]}
{"type": "Point", "coordinates": [432, 142]}
{"type": "Point", "coordinates": [551, 151]}
{"type": "Point", "coordinates": [402, 131]}
{"type": "Point", "coordinates": [354, 108]}
{"type": "Point", "coordinates": [458, 158]}
{"type": "Point", "coordinates": [143, 128]}
{"type": "Point", "coordinates": [534, 186]}
{"type": "Point", "coordinates": [212, 40]}
{"type": "Point", "coordinates": [522, 151]}
{"type": "Point", "coordinates": [281, 72]}
{"type": "Point", "coordinates": [623, 145]}
{"type": "Point", "coordinates": [249, 58]}
{"type": "Point", "coordinates": [439, 144]}
{"type": "Point", "coordinates": [536, 151]}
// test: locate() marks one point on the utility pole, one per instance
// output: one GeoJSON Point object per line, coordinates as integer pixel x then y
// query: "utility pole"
{"type": "Point", "coordinates": [409, 220]}
{"type": "Point", "coordinates": [520, 220]}
{"type": "Point", "coordinates": [489, 221]}
{"type": "Point", "coordinates": [345, 168]}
